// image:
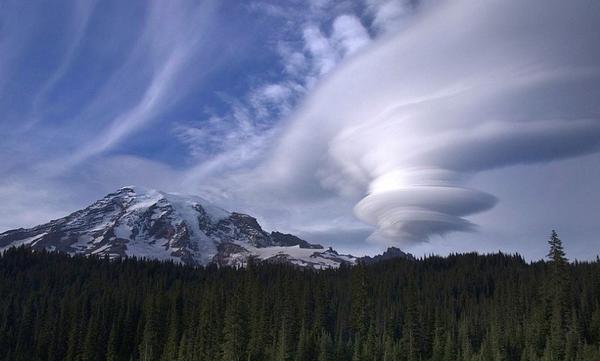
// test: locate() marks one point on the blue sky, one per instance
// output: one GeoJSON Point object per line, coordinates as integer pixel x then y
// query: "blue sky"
{"type": "Point", "coordinates": [435, 126]}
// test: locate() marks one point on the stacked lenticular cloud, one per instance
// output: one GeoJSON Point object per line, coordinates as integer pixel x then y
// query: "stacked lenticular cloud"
{"type": "Point", "coordinates": [460, 91]}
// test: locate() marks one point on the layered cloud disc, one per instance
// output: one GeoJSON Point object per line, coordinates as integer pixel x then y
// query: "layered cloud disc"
{"type": "Point", "coordinates": [412, 213]}
{"type": "Point", "coordinates": [468, 87]}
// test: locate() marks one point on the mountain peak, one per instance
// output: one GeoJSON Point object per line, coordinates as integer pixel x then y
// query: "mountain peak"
{"type": "Point", "coordinates": [136, 221]}
{"type": "Point", "coordinates": [388, 254]}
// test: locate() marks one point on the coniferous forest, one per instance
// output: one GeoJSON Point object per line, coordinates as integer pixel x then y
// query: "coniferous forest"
{"type": "Point", "coordinates": [461, 307]}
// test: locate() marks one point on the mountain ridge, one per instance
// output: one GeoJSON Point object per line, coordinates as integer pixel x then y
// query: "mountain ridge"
{"type": "Point", "coordinates": [140, 222]}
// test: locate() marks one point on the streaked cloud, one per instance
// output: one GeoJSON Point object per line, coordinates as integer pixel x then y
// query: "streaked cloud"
{"type": "Point", "coordinates": [173, 34]}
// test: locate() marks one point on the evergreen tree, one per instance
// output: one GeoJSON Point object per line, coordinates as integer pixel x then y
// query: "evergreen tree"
{"type": "Point", "coordinates": [112, 347]}
{"type": "Point", "coordinates": [183, 352]}
{"type": "Point", "coordinates": [91, 347]}
{"type": "Point", "coordinates": [172, 343]}
{"type": "Point", "coordinates": [557, 253]}
{"type": "Point", "coordinates": [325, 347]}
{"type": "Point", "coordinates": [149, 348]}
{"type": "Point", "coordinates": [232, 332]}
{"type": "Point", "coordinates": [559, 298]}
{"type": "Point", "coordinates": [302, 352]}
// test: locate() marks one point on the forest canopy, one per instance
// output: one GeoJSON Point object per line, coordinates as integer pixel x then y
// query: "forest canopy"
{"type": "Point", "coordinates": [460, 307]}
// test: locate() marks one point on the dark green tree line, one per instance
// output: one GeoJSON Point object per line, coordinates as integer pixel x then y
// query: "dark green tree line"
{"type": "Point", "coordinates": [462, 307]}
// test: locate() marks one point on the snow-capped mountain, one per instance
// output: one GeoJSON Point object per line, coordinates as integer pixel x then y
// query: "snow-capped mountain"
{"type": "Point", "coordinates": [135, 221]}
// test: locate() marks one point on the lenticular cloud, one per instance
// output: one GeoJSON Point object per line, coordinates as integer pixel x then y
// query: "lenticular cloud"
{"type": "Point", "coordinates": [470, 86]}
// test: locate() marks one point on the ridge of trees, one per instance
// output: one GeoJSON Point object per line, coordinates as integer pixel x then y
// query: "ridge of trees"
{"type": "Point", "coordinates": [461, 307]}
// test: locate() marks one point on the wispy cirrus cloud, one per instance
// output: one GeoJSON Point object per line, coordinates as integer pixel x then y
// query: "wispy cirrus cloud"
{"type": "Point", "coordinates": [174, 32]}
{"type": "Point", "coordinates": [79, 22]}
{"type": "Point", "coordinates": [82, 80]}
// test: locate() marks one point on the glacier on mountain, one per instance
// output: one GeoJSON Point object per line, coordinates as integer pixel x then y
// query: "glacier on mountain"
{"type": "Point", "coordinates": [147, 223]}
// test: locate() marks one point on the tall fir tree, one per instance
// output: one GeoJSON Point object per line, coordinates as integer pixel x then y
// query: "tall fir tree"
{"type": "Point", "coordinates": [233, 332]}
{"type": "Point", "coordinates": [559, 298]}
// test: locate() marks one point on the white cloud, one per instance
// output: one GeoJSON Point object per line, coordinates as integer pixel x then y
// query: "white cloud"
{"type": "Point", "coordinates": [350, 34]}
{"type": "Point", "coordinates": [272, 100]}
{"type": "Point", "coordinates": [294, 62]}
{"type": "Point", "coordinates": [145, 110]}
{"type": "Point", "coordinates": [418, 113]}
{"type": "Point", "coordinates": [246, 131]}
{"type": "Point", "coordinates": [275, 92]}
{"type": "Point", "coordinates": [173, 33]}
{"type": "Point", "coordinates": [388, 15]}
{"type": "Point", "coordinates": [323, 54]}
{"type": "Point", "coordinates": [82, 14]}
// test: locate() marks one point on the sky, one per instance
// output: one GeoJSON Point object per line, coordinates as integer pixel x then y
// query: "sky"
{"type": "Point", "coordinates": [435, 126]}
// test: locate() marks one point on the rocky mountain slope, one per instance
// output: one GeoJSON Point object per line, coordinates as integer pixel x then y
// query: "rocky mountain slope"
{"type": "Point", "coordinates": [390, 253]}
{"type": "Point", "coordinates": [147, 223]}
